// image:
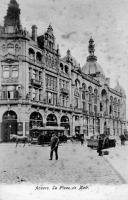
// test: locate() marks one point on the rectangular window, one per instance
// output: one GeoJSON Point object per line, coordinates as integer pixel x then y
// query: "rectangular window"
{"type": "Point", "coordinates": [84, 106]}
{"type": "Point", "coordinates": [9, 92]}
{"type": "Point", "coordinates": [34, 74]}
{"type": "Point", "coordinates": [83, 95]}
{"type": "Point", "coordinates": [76, 103]}
{"type": "Point", "coordinates": [67, 102]}
{"type": "Point", "coordinates": [14, 72]}
{"type": "Point", "coordinates": [54, 99]}
{"type": "Point", "coordinates": [49, 97]}
{"type": "Point", "coordinates": [40, 95]}
{"type": "Point", "coordinates": [63, 101]}
{"type": "Point", "coordinates": [60, 83]}
{"type": "Point", "coordinates": [51, 82]}
{"type": "Point", "coordinates": [40, 76]}
{"type": "Point", "coordinates": [33, 94]}
{"type": "Point", "coordinates": [6, 72]}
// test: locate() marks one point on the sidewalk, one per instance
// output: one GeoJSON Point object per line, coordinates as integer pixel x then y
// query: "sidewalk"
{"type": "Point", "coordinates": [118, 159]}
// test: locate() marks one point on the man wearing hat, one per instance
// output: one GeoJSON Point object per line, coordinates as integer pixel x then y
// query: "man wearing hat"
{"type": "Point", "coordinates": [54, 146]}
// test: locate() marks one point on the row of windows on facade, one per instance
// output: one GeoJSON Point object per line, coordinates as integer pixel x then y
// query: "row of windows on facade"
{"type": "Point", "coordinates": [51, 83]}
{"type": "Point", "coordinates": [115, 112]}
{"type": "Point", "coordinates": [51, 98]}
{"type": "Point", "coordinates": [89, 91]}
{"type": "Point", "coordinates": [11, 92]}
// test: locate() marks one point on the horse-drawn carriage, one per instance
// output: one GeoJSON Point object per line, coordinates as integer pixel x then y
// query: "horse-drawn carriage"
{"type": "Point", "coordinates": [106, 141]}
{"type": "Point", "coordinates": [42, 135]}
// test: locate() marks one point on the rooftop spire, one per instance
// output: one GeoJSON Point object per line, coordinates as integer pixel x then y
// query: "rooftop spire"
{"type": "Point", "coordinates": [50, 29]}
{"type": "Point", "coordinates": [91, 50]}
{"type": "Point", "coordinates": [13, 15]}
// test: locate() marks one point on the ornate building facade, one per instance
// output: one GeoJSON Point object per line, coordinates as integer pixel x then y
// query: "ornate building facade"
{"type": "Point", "coordinates": [39, 88]}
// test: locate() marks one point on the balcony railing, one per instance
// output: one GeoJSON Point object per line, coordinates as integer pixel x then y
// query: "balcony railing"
{"type": "Point", "coordinates": [85, 111]}
{"type": "Point", "coordinates": [8, 101]}
{"type": "Point", "coordinates": [64, 91]}
{"type": "Point", "coordinates": [36, 82]}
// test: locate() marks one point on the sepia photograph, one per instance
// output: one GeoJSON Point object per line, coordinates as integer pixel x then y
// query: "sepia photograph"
{"type": "Point", "coordinates": [63, 99]}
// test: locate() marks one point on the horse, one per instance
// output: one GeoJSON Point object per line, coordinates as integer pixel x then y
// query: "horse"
{"type": "Point", "coordinates": [19, 138]}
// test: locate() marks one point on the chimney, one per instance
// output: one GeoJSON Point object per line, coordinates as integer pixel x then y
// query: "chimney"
{"type": "Point", "coordinates": [34, 33]}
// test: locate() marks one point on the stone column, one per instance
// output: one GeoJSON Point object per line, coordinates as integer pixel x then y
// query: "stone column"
{"type": "Point", "coordinates": [24, 128]}
{"type": "Point", "coordinates": [73, 125]}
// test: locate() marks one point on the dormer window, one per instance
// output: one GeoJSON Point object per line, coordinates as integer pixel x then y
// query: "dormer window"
{"type": "Point", "coordinates": [10, 48]}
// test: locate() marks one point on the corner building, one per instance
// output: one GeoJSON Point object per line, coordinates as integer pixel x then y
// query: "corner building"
{"type": "Point", "coordinates": [39, 88]}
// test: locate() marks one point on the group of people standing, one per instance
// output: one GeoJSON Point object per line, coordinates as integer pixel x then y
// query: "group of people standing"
{"type": "Point", "coordinates": [101, 142]}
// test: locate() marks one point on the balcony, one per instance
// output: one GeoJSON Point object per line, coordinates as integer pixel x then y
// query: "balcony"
{"type": "Point", "coordinates": [36, 82]}
{"type": "Point", "coordinates": [78, 110]}
{"type": "Point", "coordinates": [64, 91]}
{"type": "Point", "coordinates": [85, 112]}
{"type": "Point", "coordinates": [9, 101]}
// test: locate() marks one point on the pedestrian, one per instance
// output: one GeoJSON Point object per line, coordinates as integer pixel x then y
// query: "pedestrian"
{"type": "Point", "coordinates": [122, 138]}
{"type": "Point", "coordinates": [54, 146]}
{"type": "Point", "coordinates": [82, 140]}
{"type": "Point", "coordinates": [99, 149]}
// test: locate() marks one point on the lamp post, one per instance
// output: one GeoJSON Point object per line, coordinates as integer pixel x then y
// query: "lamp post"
{"type": "Point", "coordinates": [10, 126]}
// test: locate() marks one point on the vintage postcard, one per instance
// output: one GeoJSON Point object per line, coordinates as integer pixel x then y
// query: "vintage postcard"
{"type": "Point", "coordinates": [63, 99]}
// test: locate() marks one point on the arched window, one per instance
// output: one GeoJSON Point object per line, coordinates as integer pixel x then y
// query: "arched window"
{"type": "Point", "coordinates": [51, 120]}
{"type": "Point", "coordinates": [61, 66]}
{"type": "Point", "coordinates": [38, 57]}
{"type": "Point", "coordinates": [77, 83]}
{"type": "Point", "coordinates": [31, 54]}
{"type": "Point", "coordinates": [36, 120]}
{"type": "Point", "coordinates": [65, 123]}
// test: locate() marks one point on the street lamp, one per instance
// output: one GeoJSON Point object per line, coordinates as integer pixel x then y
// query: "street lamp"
{"type": "Point", "coordinates": [10, 126]}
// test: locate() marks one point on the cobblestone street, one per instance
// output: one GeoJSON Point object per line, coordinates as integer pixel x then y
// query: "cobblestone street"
{"type": "Point", "coordinates": [77, 164]}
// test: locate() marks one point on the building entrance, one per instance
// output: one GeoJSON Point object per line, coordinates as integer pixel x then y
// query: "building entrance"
{"type": "Point", "coordinates": [9, 125]}
{"type": "Point", "coordinates": [36, 121]}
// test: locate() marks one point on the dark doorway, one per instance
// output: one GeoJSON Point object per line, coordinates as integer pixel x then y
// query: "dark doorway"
{"type": "Point", "coordinates": [9, 125]}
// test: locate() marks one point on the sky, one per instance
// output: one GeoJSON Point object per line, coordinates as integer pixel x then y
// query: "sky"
{"type": "Point", "coordinates": [75, 21]}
